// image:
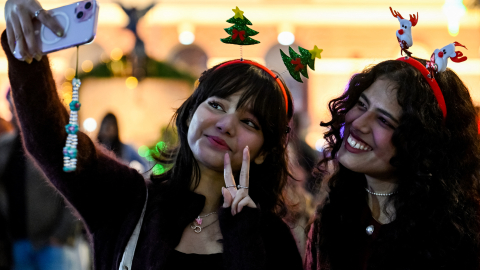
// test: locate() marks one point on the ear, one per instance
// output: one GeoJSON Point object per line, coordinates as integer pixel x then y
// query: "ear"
{"type": "Point", "coordinates": [260, 158]}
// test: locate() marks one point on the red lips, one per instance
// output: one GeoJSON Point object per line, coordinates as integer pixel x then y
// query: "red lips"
{"type": "Point", "coordinates": [218, 142]}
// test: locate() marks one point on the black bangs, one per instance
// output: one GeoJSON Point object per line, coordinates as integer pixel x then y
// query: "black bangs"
{"type": "Point", "coordinates": [260, 96]}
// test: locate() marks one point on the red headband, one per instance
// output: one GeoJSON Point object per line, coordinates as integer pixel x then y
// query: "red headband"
{"type": "Point", "coordinates": [431, 81]}
{"type": "Point", "coordinates": [275, 76]}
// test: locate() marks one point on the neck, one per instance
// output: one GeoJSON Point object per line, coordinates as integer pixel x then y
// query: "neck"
{"type": "Point", "coordinates": [210, 186]}
{"type": "Point", "coordinates": [377, 204]}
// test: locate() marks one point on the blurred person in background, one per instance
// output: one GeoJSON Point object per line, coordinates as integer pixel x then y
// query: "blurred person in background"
{"type": "Point", "coordinates": [44, 233]}
{"type": "Point", "coordinates": [306, 157]}
{"type": "Point", "coordinates": [108, 136]}
{"type": "Point", "coordinates": [301, 202]}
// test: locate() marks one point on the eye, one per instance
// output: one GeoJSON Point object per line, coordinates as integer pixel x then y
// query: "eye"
{"type": "Point", "coordinates": [251, 123]}
{"type": "Point", "coordinates": [361, 104]}
{"type": "Point", "coordinates": [444, 51]}
{"type": "Point", "coordinates": [385, 122]}
{"type": "Point", "coordinates": [215, 105]}
{"type": "Point", "coordinates": [405, 27]}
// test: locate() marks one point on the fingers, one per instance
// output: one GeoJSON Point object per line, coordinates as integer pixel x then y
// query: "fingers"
{"type": "Point", "coordinates": [28, 34]}
{"type": "Point", "coordinates": [227, 198]}
{"type": "Point", "coordinates": [228, 176]}
{"type": "Point", "coordinates": [50, 22]}
{"type": "Point", "coordinates": [11, 37]}
{"type": "Point", "coordinates": [247, 201]}
{"type": "Point", "coordinates": [20, 39]}
{"type": "Point", "coordinates": [244, 172]}
{"type": "Point", "coordinates": [237, 199]}
{"type": "Point", "coordinates": [241, 194]}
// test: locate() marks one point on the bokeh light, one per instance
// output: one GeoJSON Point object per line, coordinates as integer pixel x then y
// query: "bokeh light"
{"type": "Point", "coordinates": [131, 82]}
{"type": "Point", "coordinates": [116, 54]}
{"type": "Point", "coordinates": [158, 169]}
{"type": "Point", "coordinates": [186, 38]}
{"type": "Point", "coordinates": [69, 74]}
{"type": "Point", "coordinates": [87, 66]}
{"type": "Point", "coordinates": [90, 124]}
{"type": "Point", "coordinates": [143, 151]}
{"type": "Point", "coordinates": [454, 9]}
{"type": "Point", "coordinates": [286, 38]}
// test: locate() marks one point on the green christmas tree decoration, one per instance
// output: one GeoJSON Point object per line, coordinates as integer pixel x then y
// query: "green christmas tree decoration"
{"type": "Point", "coordinates": [297, 63]}
{"type": "Point", "coordinates": [240, 33]}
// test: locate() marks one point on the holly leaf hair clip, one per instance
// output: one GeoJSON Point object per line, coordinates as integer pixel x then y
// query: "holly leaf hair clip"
{"type": "Point", "coordinates": [240, 33]}
{"type": "Point", "coordinates": [297, 63]}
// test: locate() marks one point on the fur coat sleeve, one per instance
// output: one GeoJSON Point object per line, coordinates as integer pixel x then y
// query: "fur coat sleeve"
{"type": "Point", "coordinates": [95, 189]}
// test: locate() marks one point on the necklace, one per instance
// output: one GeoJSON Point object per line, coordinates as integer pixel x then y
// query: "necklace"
{"type": "Point", "coordinates": [380, 194]}
{"type": "Point", "coordinates": [199, 219]}
{"type": "Point", "coordinates": [198, 229]}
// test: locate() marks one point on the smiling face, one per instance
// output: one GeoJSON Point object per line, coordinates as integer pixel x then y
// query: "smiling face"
{"type": "Point", "coordinates": [218, 126]}
{"type": "Point", "coordinates": [367, 146]}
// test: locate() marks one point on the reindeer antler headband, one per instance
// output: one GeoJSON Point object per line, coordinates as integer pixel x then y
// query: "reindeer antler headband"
{"type": "Point", "coordinates": [438, 60]}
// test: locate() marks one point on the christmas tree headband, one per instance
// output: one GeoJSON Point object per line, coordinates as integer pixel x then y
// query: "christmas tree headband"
{"type": "Point", "coordinates": [438, 60]}
{"type": "Point", "coordinates": [240, 34]}
{"type": "Point", "coordinates": [275, 76]}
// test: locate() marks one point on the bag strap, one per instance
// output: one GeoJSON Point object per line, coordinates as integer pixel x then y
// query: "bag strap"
{"type": "Point", "coordinates": [127, 258]}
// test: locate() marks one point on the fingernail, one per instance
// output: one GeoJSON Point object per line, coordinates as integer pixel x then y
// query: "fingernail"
{"type": "Point", "coordinates": [38, 57]}
{"type": "Point", "coordinates": [28, 60]}
{"type": "Point", "coordinates": [222, 192]}
{"type": "Point", "coordinates": [246, 147]}
{"type": "Point", "coordinates": [59, 33]}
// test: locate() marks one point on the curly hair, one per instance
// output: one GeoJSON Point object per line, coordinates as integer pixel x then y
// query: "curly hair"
{"type": "Point", "coordinates": [267, 180]}
{"type": "Point", "coordinates": [437, 220]}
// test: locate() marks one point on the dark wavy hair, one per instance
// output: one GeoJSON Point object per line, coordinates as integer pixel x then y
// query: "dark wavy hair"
{"type": "Point", "coordinates": [264, 95]}
{"type": "Point", "coordinates": [437, 221]}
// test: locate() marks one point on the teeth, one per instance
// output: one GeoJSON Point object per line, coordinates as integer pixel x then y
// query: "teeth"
{"type": "Point", "coordinates": [357, 145]}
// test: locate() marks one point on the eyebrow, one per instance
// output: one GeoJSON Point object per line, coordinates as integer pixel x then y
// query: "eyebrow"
{"type": "Point", "coordinates": [382, 111]}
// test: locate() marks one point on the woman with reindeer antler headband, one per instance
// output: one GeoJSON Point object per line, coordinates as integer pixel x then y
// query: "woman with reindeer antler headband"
{"type": "Point", "coordinates": [219, 206]}
{"type": "Point", "coordinates": [404, 143]}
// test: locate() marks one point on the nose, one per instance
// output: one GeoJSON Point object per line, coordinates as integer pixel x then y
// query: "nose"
{"type": "Point", "coordinates": [363, 122]}
{"type": "Point", "coordinates": [226, 125]}
{"type": "Point", "coordinates": [440, 54]}
{"type": "Point", "coordinates": [400, 31]}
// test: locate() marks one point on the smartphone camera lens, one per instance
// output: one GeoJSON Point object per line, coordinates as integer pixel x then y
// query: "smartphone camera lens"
{"type": "Point", "coordinates": [80, 15]}
{"type": "Point", "coordinates": [88, 5]}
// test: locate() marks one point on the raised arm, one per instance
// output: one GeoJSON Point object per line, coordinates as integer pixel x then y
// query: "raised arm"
{"type": "Point", "coordinates": [101, 189]}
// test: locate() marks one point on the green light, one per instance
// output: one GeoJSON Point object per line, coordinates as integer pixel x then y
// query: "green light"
{"type": "Point", "coordinates": [161, 146]}
{"type": "Point", "coordinates": [143, 151]}
{"type": "Point", "coordinates": [158, 169]}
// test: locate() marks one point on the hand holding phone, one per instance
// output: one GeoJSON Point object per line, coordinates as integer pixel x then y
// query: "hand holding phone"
{"type": "Point", "coordinates": [49, 31]}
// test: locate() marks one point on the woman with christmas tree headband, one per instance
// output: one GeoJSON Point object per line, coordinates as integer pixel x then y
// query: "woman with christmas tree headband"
{"type": "Point", "coordinates": [403, 140]}
{"type": "Point", "coordinates": [194, 215]}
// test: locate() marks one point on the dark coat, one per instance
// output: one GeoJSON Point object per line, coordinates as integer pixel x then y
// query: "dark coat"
{"type": "Point", "coordinates": [109, 196]}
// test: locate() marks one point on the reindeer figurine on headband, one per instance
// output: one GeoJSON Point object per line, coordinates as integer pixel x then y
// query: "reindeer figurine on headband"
{"type": "Point", "coordinates": [404, 34]}
{"type": "Point", "coordinates": [439, 59]}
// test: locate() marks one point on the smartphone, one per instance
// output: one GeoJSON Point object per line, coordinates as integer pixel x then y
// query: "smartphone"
{"type": "Point", "coordinates": [79, 21]}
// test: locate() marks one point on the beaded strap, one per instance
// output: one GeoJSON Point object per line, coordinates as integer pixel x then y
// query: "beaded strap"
{"type": "Point", "coordinates": [70, 149]}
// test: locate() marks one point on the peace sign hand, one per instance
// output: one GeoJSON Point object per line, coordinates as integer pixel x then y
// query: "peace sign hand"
{"type": "Point", "coordinates": [237, 198]}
